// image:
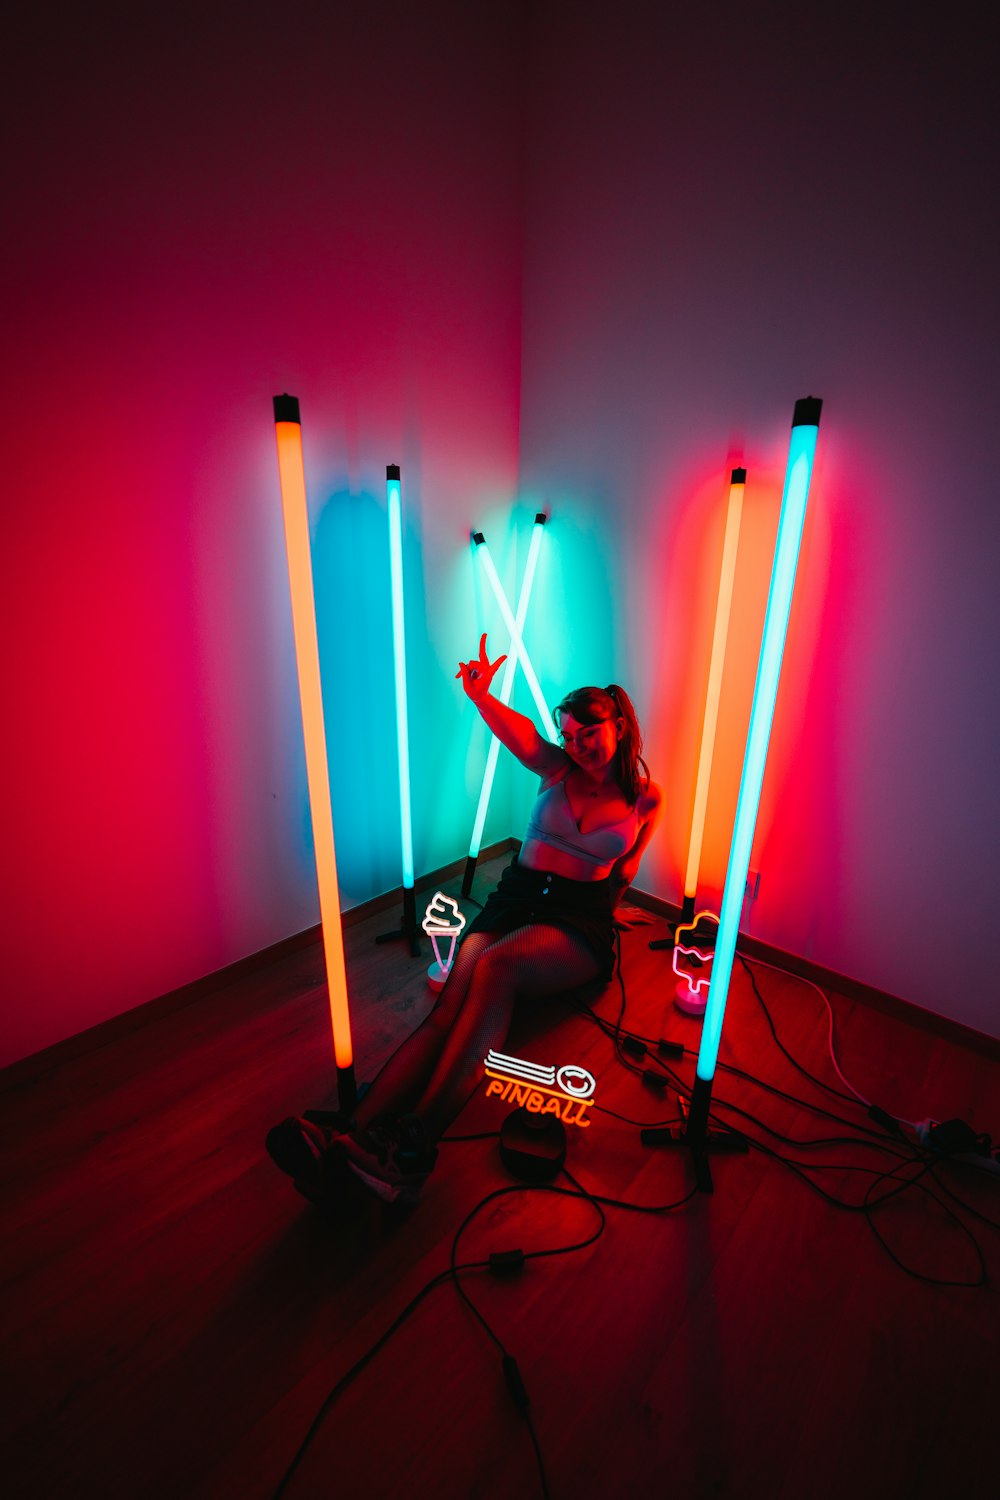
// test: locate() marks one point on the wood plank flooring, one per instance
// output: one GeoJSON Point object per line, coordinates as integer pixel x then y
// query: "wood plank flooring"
{"type": "Point", "coordinates": [174, 1314]}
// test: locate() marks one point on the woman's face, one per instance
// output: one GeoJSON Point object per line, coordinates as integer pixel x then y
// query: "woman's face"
{"type": "Point", "coordinates": [592, 746]}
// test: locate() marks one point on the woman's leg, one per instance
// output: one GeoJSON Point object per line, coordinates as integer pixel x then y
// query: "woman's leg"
{"type": "Point", "coordinates": [528, 963]}
{"type": "Point", "coordinates": [400, 1082]}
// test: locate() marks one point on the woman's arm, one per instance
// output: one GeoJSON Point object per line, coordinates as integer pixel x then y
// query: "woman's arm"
{"type": "Point", "coordinates": [624, 870]}
{"type": "Point", "coordinates": [512, 729]}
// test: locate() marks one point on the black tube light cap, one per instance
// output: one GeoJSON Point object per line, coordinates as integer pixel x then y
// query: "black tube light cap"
{"type": "Point", "coordinates": [286, 408]}
{"type": "Point", "coordinates": [478, 538]}
{"type": "Point", "coordinates": [738, 476]}
{"type": "Point", "coordinates": [392, 471]}
{"type": "Point", "coordinates": [540, 518]}
{"type": "Point", "coordinates": [807, 411]}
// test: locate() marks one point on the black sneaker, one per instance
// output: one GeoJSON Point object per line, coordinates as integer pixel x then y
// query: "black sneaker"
{"type": "Point", "coordinates": [392, 1157]}
{"type": "Point", "coordinates": [308, 1153]}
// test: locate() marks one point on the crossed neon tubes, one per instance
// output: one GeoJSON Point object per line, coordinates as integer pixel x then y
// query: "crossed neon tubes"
{"type": "Point", "coordinates": [515, 653]}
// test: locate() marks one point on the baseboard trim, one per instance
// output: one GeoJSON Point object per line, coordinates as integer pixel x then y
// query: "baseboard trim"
{"type": "Point", "coordinates": [855, 989]}
{"type": "Point", "coordinates": [27, 1069]}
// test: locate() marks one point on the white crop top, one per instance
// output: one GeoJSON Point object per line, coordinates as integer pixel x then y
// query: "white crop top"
{"type": "Point", "coordinates": [551, 821]}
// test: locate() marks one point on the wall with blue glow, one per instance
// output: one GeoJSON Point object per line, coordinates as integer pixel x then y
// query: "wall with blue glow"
{"type": "Point", "coordinates": [208, 205]}
{"type": "Point", "coordinates": [728, 208]}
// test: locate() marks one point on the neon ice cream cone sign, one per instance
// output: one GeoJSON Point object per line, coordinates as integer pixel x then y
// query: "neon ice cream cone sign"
{"type": "Point", "coordinates": [443, 922]}
{"type": "Point", "coordinates": [694, 950]}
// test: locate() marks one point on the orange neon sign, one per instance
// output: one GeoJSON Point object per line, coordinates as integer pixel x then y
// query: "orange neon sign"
{"type": "Point", "coordinates": [566, 1092]}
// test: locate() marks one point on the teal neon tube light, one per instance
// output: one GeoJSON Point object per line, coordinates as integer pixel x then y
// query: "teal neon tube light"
{"type": "Point", "coordinates": [394, 501]}
{"type": "Point", "coordinates": [805, 429]}
{"type": "Point", "coordinates": [516, 642]}
{"type": "Point", "coordinates": [507, 681]}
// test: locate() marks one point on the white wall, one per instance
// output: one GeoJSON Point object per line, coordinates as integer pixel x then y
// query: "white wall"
{"type": "Point", "coordinates": [723, 208]}
{"type": "Point", "coordinates": [729, 207]}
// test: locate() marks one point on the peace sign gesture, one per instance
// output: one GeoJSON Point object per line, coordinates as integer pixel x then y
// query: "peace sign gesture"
{"type": "Point", "coordinates": [477, 675]}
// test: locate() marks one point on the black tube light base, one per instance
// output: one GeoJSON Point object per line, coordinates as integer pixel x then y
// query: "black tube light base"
{"type": "Point", "coordinates": [349, 1096]}
{"type": "Point", "coordinates": [697, 1138]}
{"type": "Point", "coordinates": [410, 929]}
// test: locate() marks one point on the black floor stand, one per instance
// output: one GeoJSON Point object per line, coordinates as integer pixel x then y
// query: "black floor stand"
{"type": "Point", "coordinates": [687, 915]}
{"type": "Point", "coordinates": [410, 929]}
{"type": "Point", "coordinates": [697, 1138]}
{"type": "Point", "coordinates": [470, 870]}
{"type": "Point", "coordinates": [348, 1097]}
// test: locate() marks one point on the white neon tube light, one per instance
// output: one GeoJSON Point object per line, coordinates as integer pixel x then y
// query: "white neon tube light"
{"type": "Point", "coordinates": [802, 449]}
{"type": "Point", "coordinates": [516, 642]}
{"type": "Point", "coordinates": [394, 503]}
{"type": "Point", "coordinates": [506, 682]}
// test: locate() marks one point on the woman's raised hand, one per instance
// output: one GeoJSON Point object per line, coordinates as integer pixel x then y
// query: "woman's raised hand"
{"type": "Point", "coordinates": [477, 675]}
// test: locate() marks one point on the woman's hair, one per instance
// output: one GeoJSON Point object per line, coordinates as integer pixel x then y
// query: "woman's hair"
{"type": "Point", "coordinates": [589, 705]}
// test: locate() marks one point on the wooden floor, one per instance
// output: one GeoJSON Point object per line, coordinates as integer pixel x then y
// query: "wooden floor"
{"type": "Point", "coordinates": [174, 1314]}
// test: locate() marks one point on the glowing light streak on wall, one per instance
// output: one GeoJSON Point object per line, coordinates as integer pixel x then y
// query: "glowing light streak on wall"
{"type": "Point", "coordinates": [516, 643]}
{"type": "Point", "coordinates": [802, 449]}
{"type": "Point", "coordinates": [710, 722]}
{"type": "Point", "coordinates": [291, 470]}
{"type": "Point", "coordinates": [506, 682]}
{"type": "Point", "coordinates": [395, 507]}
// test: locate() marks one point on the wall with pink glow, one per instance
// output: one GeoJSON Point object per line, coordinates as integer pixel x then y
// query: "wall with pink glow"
{"type": "Point", "coordinates": [727, 208]}
{"type": "Point", "coordinates": [207, 205]}
{"type": "Point", "coordinates": [720, 213]}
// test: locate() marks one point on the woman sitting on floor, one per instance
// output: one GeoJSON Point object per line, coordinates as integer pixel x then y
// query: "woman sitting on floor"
{"type": "Point", "coordinates": [548, 927]}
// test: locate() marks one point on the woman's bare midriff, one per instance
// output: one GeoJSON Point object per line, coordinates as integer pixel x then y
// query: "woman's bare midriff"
{"type": "Point", "coordinates": [534, 855]}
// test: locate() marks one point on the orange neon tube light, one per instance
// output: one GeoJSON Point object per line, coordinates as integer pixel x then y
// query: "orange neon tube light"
{"type": "Point", "coordinates": [291, 469]}
{"type": "Point", "coordinates": [710, 722]}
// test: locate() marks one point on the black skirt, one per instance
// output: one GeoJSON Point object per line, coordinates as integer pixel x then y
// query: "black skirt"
{"type": "Point", "coordinates": [525, 896]}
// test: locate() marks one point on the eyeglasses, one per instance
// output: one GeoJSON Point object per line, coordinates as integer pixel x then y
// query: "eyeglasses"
{"type": "Point", "coordinates": [585, 736]}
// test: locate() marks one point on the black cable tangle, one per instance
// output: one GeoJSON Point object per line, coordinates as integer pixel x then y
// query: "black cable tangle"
{"type": "Point", "coordinates": [880, 1144]}
{"type": "Point", "coordinates": [909, 1155]}
{"type": "Point", "coordinates": [336, 1391]}
{"type": "Point", "coordinates": [866, 1208]}
{"type": "Point", "coordinates": [636, 1208]}
{"type": "Point", "coordinates": [511, 1372]}
{"type": "Point", "coordinates": [981, 1279]}
{"type": "Point", "coordinates": [891, 1142]}
{"type": "Point", "coordinates": [608, 1028]}
{"type": "Point", "coordinates": [976, 1213]}
{"type": "Point", "coordinates": [452, 1274]}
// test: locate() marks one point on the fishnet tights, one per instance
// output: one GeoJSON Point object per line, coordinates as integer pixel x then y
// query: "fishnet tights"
{"type": "Point", "coordinates": [436, 1069]}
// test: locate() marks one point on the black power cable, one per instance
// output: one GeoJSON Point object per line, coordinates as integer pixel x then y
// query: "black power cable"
{"type": "Point", "coordinates": [908, 1155]}
{"type": "Point", "coordinates": [906, 1152]}
{"type": "Point", "coordinates": [514, 1260]}
{"type": "Point", "coordinates": [799, 1067]}
{"type": "Point", "coordinates": [499, 1263]}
